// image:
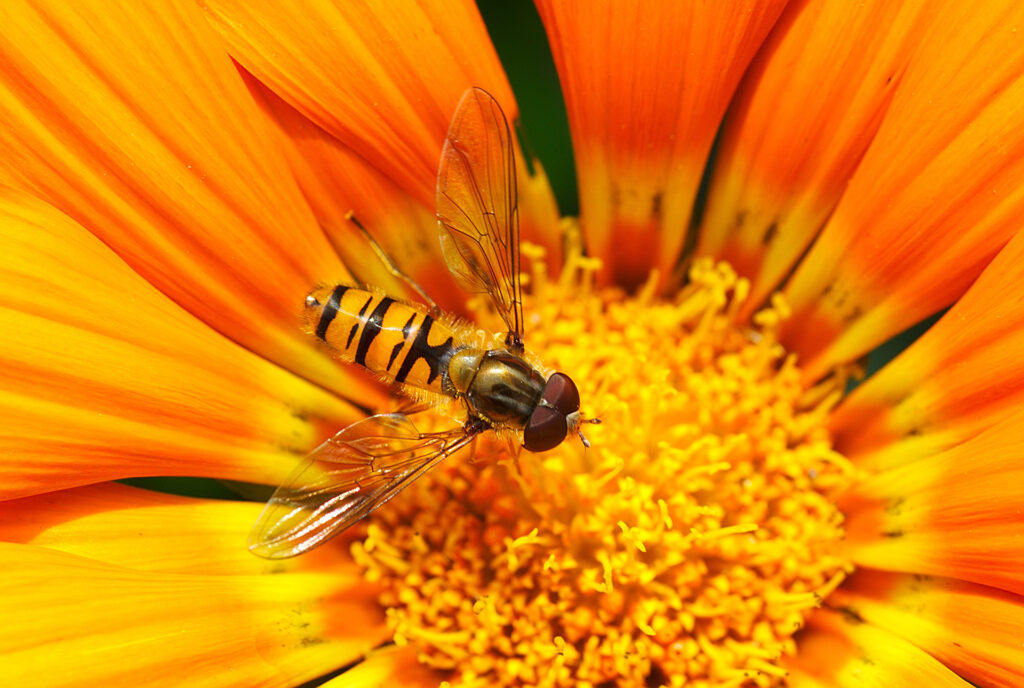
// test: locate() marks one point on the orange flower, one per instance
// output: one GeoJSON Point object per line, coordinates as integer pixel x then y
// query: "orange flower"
{"type": "Point", "coordinates": [768, 191]}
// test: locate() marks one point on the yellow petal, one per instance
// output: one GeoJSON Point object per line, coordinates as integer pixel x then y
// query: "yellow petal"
{"type": "Point", "coordinates": [152, 531]}
{"type": "Point", "coordinates": [843, 653]}
{"type": "Point", "coordinates": [974, 630]}
{"type": "Point", "coordinates": [132, 120]}
{"type": "Point", "coordinates": [390, 666]}
{"type": "Point", "coordinates": [961, 377]}
{"type": "Point", "coordinates": [937, 194]}
{"type": "Point", "coordinates": [643, 113]}
{"type": "Point", "coordinates": [956, 514]}
{"type": "Point", "coordinates": [106, 378]}
{"type": "Point", "coordinates": [72, 621]}
{"type": "Point", "coordinates": [797, 128]}
{"type": "Point", "coordinates": [384, 79]}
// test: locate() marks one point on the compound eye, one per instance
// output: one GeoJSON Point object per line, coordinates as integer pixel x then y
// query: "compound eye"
{"type": "Point", "coordinates": [561, 392]}
{"type": "Point", "coordinates": [545, 430]}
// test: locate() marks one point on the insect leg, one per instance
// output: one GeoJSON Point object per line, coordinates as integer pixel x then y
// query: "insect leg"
{"type": "Point", "coordinates": [474, 426]}
{"type": "Point", "coordinates": [395, 271]}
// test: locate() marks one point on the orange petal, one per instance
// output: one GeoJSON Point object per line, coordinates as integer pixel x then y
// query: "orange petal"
{"type": "Point", "coordinates": [132, 120]}
{"type": "Point", "coordinates": [389, 666]}
{"type": "Point", "coordinates": [956, 514]}
{"type": "Point", "coordinates": [974, 630]}
{"type": "Point", "coordinates": [152, 531]}
{"type": "Point", "coordinates": [797, 678]}
{"type": "Point", "coordinates": [337, 183]}
{"type": "Point", "coordinates": [841, 652]}
{"type": "Point", "coordinates": [383, 79]}
{"type": "Point", "coordinates": [937, 194]}
{"type": "Point", "coordinates": [962, 376]}
{"type": "Point", "coordinates": [646, 86]}
{"type": "Point", "coordinates": [804, 115]}
{"type": "Point", "coordinates": [106, 378]}
{"type": "Point", "coordinates": [72, 621]}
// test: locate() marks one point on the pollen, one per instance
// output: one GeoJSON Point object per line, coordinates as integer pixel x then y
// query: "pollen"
{"type": "Point", "coordinates": [686, 546]}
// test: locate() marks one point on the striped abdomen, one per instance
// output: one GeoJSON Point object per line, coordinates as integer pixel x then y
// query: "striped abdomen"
{"type": "Point", "coordinates": [402, 342]}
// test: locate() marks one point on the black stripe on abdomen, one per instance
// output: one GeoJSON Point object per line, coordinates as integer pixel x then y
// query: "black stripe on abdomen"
{"type": "Point", "coordinates": [406, 330]}
{"type": "Point", "coordinates": [371, 329]}
{"type": "Point", "coordinates": [433, 356]}
{"type": "Point", "coordinates": [330, 311]}
{"type": "Point", "coordinates": [358, 322]}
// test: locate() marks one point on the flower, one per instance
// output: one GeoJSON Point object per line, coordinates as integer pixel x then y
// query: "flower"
{"type": "Point", "coordinates": [176, 177]}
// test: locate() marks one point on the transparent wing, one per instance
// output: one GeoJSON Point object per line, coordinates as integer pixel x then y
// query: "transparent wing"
{"type": "Point", "coordinates": [477, 206]}
{"type": "Point", "coordinates": [346, 478]}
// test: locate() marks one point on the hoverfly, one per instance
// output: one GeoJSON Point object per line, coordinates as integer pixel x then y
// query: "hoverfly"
{"type": "Point", "coordinates": [372, 460]}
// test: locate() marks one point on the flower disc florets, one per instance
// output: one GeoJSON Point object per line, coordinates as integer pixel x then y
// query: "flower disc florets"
{"type": "Point", "coordinates": [686, 546]}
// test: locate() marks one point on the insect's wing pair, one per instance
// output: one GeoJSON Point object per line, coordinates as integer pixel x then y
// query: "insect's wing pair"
{"type": "Point", "coordinates": [477, 207]}
{"type": "Point", "coordinates": [346, 478]}
{"type": "Point", "coordinates": [371, 461]}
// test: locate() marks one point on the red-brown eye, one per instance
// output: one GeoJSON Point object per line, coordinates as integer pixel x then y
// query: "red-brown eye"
{"type": "Point", "coordinates": [545, 430]}
{"type": "Point", "coordinates": [560, 392]}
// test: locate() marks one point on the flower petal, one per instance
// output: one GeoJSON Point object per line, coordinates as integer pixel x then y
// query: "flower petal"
{"type": "Point", "coordinates": [388, 666]}
{"type": "Point", "coordinates": [936, 196]}
{"type": "Point", "coordinates": [152, 531]}
{"type": "Point", "coordinates": [956, 514]}
{"type": "Point", "coordinates": [974, 630]}
{"type": "Point", "coordinates": [796, 678]}
{"type": "Point", "coordinates": [131, 120]}
{"type": "Point", "coordinates": [962, 376]}
{"type": "Point", "coordinates": [337, 182]}
{"type": "Point", "coordinates": [106, 378]}
{"type": "Point", "coordinates": [641, 132]}
{"type": "Point", "coordinates": [803, 117]}
{"type": "Point", "coordinates": [384, 87]}
{"type": "Point", "coordinates": [73, 621]}
{"type": "Point", "coordinates": [845, 653]}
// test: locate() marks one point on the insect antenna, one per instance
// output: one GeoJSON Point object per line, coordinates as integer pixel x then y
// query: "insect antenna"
{"type": "Point", "coordinates": [577, 422]}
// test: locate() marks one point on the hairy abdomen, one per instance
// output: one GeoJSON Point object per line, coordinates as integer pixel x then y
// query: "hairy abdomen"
{"type": "Point", "coordinates": [399, 341]}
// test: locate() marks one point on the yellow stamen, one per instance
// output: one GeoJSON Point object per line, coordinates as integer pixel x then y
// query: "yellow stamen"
{"type": "Point", "coordinates": [686, 546]}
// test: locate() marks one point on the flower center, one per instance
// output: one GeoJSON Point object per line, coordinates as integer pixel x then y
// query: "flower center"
{"type": "Point", "coordinates": [689, 543]}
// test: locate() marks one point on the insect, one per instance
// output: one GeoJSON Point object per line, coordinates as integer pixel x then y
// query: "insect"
{"type": "Point", "coordinates": [372, 460]}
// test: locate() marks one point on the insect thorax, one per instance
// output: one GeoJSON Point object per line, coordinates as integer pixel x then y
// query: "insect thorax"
{"type": "Point", "coordinates": [499, 386]}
